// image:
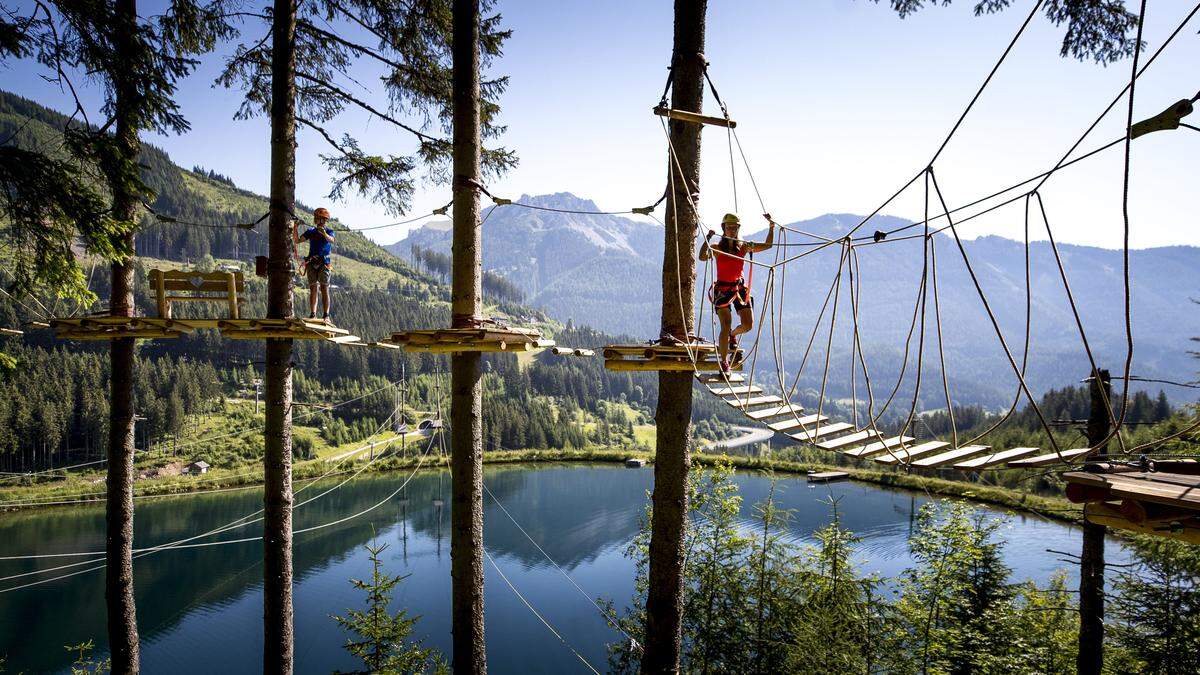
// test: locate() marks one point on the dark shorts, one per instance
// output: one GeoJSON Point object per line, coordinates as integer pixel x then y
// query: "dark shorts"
{"type": "Point", "coordinates": [739, 298]}
{"type": "Point", "coordinates": [317, 272]}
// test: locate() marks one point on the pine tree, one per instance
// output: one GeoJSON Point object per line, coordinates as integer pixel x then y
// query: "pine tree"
{"type": "Point", "coordinates": [384, 643]}
{"type": "Point", "coordinates": [1157, 607]}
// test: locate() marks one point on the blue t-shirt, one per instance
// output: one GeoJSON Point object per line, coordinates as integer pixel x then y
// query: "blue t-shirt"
{"type": "Point", "coordinates": [318, 247]}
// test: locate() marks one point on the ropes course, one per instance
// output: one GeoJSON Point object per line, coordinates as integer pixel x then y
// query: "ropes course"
{"type": "Point", "coordinates": [862, 438]}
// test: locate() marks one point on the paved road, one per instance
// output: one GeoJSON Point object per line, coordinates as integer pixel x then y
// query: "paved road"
{"type": "Point", "coordinates": [750, 436]}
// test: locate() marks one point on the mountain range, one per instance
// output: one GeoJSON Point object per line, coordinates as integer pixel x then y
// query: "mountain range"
{"type": "Point", "coordinates": [604, 271]}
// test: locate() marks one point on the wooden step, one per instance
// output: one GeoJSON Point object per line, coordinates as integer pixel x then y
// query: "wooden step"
{"type": "Point", "coordinates": [821, 431]}
{"type": "Point", "coordinates": [741, 390]}
{"type": "Point", "coordinates": [1048, 458]}
{"type": "Point", "coordinates": [878, 446]}
{"type": "Point", "coordinates": [793, 422]}
{"type": "Point", "coordinates": [899, 455]}
{"type": "Point", "coordinates": [850, 439]}
{"type": "Point", "coordinates": [995, 458]}
{"type": "Point", "coordinates": [951, 456]}
{"type": "Point", "coordinates": [753, 401]}
{"type": "Point", "coordinates": [732, 378]}
{"type": "Point", "coordinates": [788, 409]}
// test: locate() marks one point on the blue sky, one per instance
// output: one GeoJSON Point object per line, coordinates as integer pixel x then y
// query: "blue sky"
{"type": "Point", "coordinates": [838, 102]}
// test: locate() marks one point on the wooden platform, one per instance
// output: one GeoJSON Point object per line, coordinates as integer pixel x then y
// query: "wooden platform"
{"type": "Point", "coordinates": [1151, 502]}
{"type": "Point", "coordinates": [827, 476]}
{"type": "Point", "coordinates": [699, 356]}
{"type": "Point", "coordinates": [487, 339]}
{"type": "Point", "coordinates": [153, 328]}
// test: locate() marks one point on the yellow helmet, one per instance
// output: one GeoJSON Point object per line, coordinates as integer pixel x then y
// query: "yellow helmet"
{"type": "Point", "coordinates": [731, 219]}
{"type": "Point", "coordinates": [321, 213]}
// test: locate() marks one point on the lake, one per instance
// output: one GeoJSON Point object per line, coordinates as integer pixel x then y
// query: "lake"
{"type": "Point", "coordinates": [200, 609]}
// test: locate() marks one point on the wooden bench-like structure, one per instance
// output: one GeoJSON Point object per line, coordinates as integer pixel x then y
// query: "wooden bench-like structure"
{"type": "Point", "coordinates": [697, 118]}
{"type": "Point", "coordinates": [486, 339]}
{"type": "Point", "coordinates": [171, 286]}
{"type": "Point", "coordinates": [652, 356]}
{"type": "Point", "coordinates": [789, 418]}
{"type": "Point", "coordinates": [225, 288]}
{"type": "Point", "coordinates": [1165, 503]}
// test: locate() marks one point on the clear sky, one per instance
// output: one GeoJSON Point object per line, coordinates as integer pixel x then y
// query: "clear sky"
{"type": "Point", "coordinates": [838, 103]}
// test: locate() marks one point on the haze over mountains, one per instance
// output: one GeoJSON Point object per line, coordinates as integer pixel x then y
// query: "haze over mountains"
{"type": "Point", "coordinates": [604, 271]}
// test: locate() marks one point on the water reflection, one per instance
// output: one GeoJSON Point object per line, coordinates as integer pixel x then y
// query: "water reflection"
{"type": "Point", "coordinates": [200, 609]}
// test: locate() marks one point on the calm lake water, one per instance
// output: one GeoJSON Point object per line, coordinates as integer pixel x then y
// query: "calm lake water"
{"type": "Point", "coordinates": [200, 609]}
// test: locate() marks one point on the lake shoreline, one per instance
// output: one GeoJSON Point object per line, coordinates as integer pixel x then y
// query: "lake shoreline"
{"type": "Point", "coordinates": [1055, 508]}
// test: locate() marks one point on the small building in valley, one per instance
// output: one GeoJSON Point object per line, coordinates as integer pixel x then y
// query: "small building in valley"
{"type": "Point", "coordinates": [196, 468]}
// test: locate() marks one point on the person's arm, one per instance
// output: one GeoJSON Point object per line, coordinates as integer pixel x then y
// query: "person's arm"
{"type": "Point", "coordinates": [766, 245]}
{"type": "Point", "coordinates": [706, 249]}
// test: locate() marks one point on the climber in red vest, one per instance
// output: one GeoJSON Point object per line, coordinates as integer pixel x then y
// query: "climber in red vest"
{"type": "Point", "coordinates": [730, 288]}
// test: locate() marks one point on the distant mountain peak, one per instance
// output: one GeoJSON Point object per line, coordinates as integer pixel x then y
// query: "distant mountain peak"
{"type": "Point", "coordinates": [560, 200]}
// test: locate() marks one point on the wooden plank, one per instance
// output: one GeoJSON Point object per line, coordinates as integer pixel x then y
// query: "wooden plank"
{"type": "Point", "coordinates": [11, 331]}
{"type": "Point", "coordinates": [685, 116]}
{"type": "Point", "coordinates": [794, 422]}
{"type": "Point", "coordinates": [951, 456]}
{"type": "Point", "coordinates": [345, 339]}
{"type": "Point", "coordinates": [849, 439]}
{"type": "Point", "coordinates": [732, 378]}
{"type": "Point", "coordinates": [820, 431]}
{"type": "Point", "coordinates": [789, 409]}
{"type": "Point", "coordinates": [878, 446]}
{"type": "Point", "coordinates": [1101, 513]}
{"type": "Point", "coordinates": [1158, 491]}
{"type": "Point", "coordinates": [826, 476]}
{"type": "Point", "coordinates": [900, 455]}
{"type": "Point", "coordinates": [1048, 459]}
{"type": "Point", "coordinates": [735, 390]}
{"type": "Point", "coordinates": [753, 401]}
{"type": "Point", "coordinates": [995, 458]}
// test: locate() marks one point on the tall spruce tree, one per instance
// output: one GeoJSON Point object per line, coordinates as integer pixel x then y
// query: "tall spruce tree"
{"type": "Point", "coordinates": [299, 79]}
{"type": "Point", "coordinates": [137, 63]}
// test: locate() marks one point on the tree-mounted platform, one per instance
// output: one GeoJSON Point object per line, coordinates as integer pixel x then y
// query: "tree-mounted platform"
{"type": "Point", "coordinates": [292, 329]}
{"type": "Point", "coordinates": [701, 356]}
{"type": "Point", "coordinates": [486, 339]}
{"type": "Point", "coordinates": [154, 328]}
{"type": "Point", "coordinates": [113, 327]}
{"type": "Point", "coordinates": [1162, 503]}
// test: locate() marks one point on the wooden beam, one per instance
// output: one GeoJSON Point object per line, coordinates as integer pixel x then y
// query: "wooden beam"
{"type": "Point", "coordinates": [995, 458]}
{"type": "Point", "coordinates": [1048, 459]}
{"type": "Point", "coordinates": [1108, 515]}
{"type": "Point", "coordinates": [901, 455]}
{"type": "Point", "coordinates": [849, 439]}
{"type": "Point", "coordinates": [685, 116]}
{"type": "Point", "coordinates": [879, 446]}
{"type": "Point", "coordinates": [820, 431]}
{"type": "Point", "coordinates": [941, 459]}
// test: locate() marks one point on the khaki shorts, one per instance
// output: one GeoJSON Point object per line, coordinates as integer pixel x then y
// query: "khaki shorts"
{"type": "Point", "coordinates": [317, 272]}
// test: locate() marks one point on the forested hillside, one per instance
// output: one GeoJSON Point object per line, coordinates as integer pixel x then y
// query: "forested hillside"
{"type": "Point", "coordinates": [54, 402]}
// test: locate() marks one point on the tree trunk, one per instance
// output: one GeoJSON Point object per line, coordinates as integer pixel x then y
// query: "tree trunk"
{"type": "Point", "coordinates": [1090, 660]}
{"type": "Point", "coordinates": [118, 549]}
{"type": "Point", "coordinates": [277, 432]}
{"type": "Point", "coordinates": [466, 406]}
{"type": "Point", "coordinates": [664, 604]}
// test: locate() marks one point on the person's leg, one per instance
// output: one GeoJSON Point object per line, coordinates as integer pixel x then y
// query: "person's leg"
{"type": "Point", "coordinates": [325, 298]}
{"type": "Point", "coordinates": [745, 321]}
{"type": "Point", "coordinates": [726, 320]}
{"type": "Point", "coordinates": [312, 299]}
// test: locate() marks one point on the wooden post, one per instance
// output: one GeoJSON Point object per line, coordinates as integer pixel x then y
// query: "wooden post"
{"type": "Point", "coordinates": [118, 572]}
{"type": "Point", "coordinates": [1090, 660]}
{"type": "Point", "coordinates": [664, 602]}
{"type": "Point", "coordinates": [466, 412]}
{"type": "Point", "coordinates": [277, 378]}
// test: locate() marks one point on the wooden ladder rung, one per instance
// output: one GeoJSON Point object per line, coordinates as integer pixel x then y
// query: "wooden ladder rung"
{"type": "Point", "coordinates": [736, 390]}
{"type": "Point", "coordinates": [732, 378]}
{"type": "Point", "coordinates": [789, 409]}
{"type": "Point", "coordinates": [996, 458]}
{"type": "Point", "coordinates": [951, 456]}
{"type": "Point", "coordinates": [849, 439]}
{"type": "Point", "coordinates": [1048, 458]}
{"type": "Point", "coordinates": [793, 422]}
{"type": "Point", "coordinates": [878, 446]}
{"type": "Point", "coordinates": [900, 455]}
{"type": "Point", "coordinates": [753, 401]}
{"type": "Point", "coordinates": [820, 431]}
